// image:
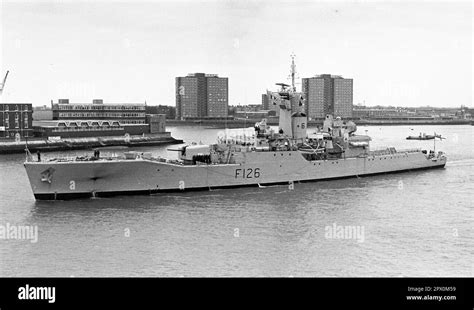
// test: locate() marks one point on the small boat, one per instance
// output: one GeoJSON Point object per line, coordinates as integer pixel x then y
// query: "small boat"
{"type": "Point", "coordinates": [425, 137]}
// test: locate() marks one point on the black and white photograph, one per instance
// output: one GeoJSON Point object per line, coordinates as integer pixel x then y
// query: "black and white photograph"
{"type": "Point", "coordinates": [237, 139]}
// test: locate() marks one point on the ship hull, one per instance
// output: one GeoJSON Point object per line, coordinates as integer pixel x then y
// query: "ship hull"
{"type": "Point", "coordinates": [104, 178]}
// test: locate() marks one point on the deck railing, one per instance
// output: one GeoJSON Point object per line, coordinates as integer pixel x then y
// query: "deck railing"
{"type": "Point", "coordinates": [392, 150]}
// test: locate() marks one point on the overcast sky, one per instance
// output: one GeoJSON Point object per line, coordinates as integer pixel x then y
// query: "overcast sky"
{"type": "Point", "coordinates": [398, 53]}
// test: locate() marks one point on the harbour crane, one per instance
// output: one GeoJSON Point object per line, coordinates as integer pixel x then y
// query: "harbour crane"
{"type": "Point", "coordinates": [2, 85]}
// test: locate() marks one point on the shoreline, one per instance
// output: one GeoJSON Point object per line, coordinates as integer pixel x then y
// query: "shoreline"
{"type": "Point", "coordinates": [237, 123]}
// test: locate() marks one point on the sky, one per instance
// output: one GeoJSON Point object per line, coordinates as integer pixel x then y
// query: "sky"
{"type": "Point", "coordinates": [398, 53]}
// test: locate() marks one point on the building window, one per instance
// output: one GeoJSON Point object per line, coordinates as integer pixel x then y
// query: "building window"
{"type": "Point", "coordinates": [25, 125]}
{"type": "Point", "coordinates": [17, 121]}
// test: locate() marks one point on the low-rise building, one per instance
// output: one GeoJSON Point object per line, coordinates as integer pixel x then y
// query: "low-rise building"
{"type": "Point", "coordinates": [16, 120]}
{"type": "Point", "coordinates": [253, 114]}
{"type": "Point", "coordinates": [169, 111]}
{"type": "Point", "coordinates": [98, 119]}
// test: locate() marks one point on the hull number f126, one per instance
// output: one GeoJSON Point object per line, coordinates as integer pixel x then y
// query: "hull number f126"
{"type": "Point", "coordinates": [248, 173]}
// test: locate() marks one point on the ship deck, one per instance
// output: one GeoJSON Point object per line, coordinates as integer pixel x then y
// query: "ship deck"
{"type": "Point", "coordinates": [107, 157]}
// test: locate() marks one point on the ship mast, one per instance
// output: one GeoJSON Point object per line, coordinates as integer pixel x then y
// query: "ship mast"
{"type": "Point", "coordinates": [293, 72]}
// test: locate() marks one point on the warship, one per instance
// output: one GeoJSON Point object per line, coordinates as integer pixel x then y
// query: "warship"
{"type": "Point", "coordinates": [284, 155]}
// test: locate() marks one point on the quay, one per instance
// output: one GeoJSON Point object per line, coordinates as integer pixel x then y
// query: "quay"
{"type": "Point", "coordinates": [66, 144]}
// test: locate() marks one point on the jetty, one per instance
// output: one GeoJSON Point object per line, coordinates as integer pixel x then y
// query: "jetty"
{"type": "Point", "coordinates": [51, 145]}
